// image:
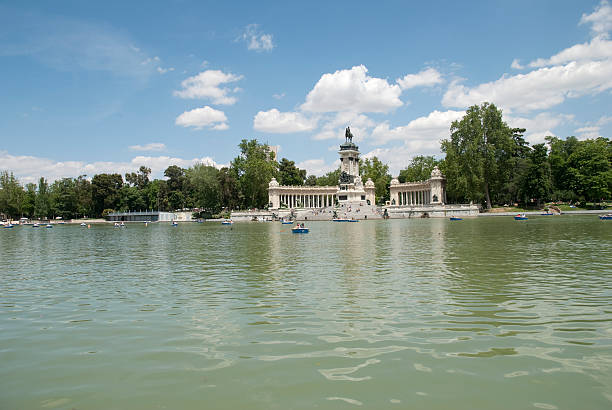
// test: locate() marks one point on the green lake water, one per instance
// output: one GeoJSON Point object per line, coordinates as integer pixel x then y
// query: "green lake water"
{"type": "Point", "coordinates": [485, 313]}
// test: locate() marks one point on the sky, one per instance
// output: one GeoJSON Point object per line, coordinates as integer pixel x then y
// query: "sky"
{"type": "Point", "coordinates": [108, 86]}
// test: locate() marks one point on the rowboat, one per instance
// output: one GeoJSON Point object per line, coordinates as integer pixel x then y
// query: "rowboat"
{"type": "Point", "coordinates": [345, 220]}
{"type": "Point", "coordinates": [520, 217]}
{"type": "Point", "coordinates": [456, 218]}
{"type": "Point", "coordinates": [299, 229]}
{"type": "Point", "coordinates": [605, 217]}
{"type": "Point", "coordinates": [227, 222]}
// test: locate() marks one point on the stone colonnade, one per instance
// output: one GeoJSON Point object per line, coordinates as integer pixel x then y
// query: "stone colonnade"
{"type": "Point", "coordinates": [305, 200]}
{"type": "Point", "coordinates": [414, 198]}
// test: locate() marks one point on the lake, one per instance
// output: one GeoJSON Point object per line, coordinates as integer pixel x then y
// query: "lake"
{"type": "Point", "coordinates": [486, 313]}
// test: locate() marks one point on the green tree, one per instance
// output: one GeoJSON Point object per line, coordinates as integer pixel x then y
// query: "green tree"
{"type": "Point", "coordinates": [589, 169]}
{"type": "Point", "coordinates": [478, 155]}
{"type": "Point", "coordinates": [42, 206]}
{"type": "Point", "coordinates": [204, 182]}
{"type": "Point", "coordinates": [29, 200]}
{"type": "Point", "coordinates": [562, 179]}
{"type": "Point", "coordinates": [537, 182]}
{"type": "Point", "coordinates": [11, 195]}
{"type": "Point", "coordinates": [106, 192]}
{"type": "Point", "coordinates": [255, 167]}
{"type": "Point", "coordinates": [419, 169]}
{"type": "Point", "coordinates": [289, 174]}
{"type": "Point", "coordinates": [229, 194]}
{"type": "Point", "coordinates": [378, 172]}
{"type": "Point", "coordinates": [329, 179]}
{"type": "Point", "coordinates": [176, 184]}
{"type": "Point", "coordinates": [311, 180]}
{"type": "Point", "coordinates": [82, 187]}
{"type": "Point", "coordinates": [63, 198]}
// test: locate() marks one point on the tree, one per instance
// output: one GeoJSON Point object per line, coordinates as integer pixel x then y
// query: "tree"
{"type": "Point", "coordinates": [176, 184]}
{"type": "Point", "coordinates": [229, 194]}
{"type": "Point", "coordinates": [419, 169]}
{"type": "Point", "coordinates": [204, 182]}
{"type": "Point", "coordinates": [478, 154]}
{"type": "Point", "coordinates": [329, 179]}
{"type": "Point", "coordinates": [63, 198]}
{"type": "Point", "coordinates": [289, 174]}
{"type": "Point", "coordinates": [11, 195]}
{"type": "Point", "coordinates": [589, 169]}
{"type": "Point", "coordinates": [106, 192]}
{"type": "Point", "coordinates": [537, 184]}
{"type": "Point", "coordinates": [29, 200]}
{"type": "Point", "coordinates": [255, 167]}
{"type": "Point", "coordinates": [378, 172]}
{"type": "Point", "coordinates": [42, 206]}
{"type": "Point", "coordinates": [311, 180]}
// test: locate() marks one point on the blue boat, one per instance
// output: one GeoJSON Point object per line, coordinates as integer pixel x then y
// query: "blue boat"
{"type": "Point", "coordinates": [605, 217]}
{"type": "Point", "coordinates": [299, 229]}
{"type": "Point", "coordinates": [227, 222]}
{"type": "Point", "coordinates": [547, 214]}
{"type": "Point", "coordinates": [9, 226]}
{"type": "Point", "coordinates": [455, 218]}
{"type": "Point", "coordinates": [285, 222]}
{"type": "Point", "coordinates": [520, 217]}
{"type": "Point", "coordinates": [174, 223]}
{"type": "Point", "coordinates": [345, 220]}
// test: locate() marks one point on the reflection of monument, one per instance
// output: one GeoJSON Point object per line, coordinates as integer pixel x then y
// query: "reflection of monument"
{"type": "Point", "coordinates": [350, 187]}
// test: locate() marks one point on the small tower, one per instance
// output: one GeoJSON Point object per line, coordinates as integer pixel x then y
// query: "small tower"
{"type": "Point", "coordinates": [437, 182]}
{"type": "Point", "coordinates": [350, 186]}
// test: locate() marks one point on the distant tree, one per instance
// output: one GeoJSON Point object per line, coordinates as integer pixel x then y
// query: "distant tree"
{"type": "Point", "coordinates": [42, 205]}
{"type": "Point", "coordinates": [29, 200]}
{"type": "Point", "coordinates": [176, 184]}
{"type": "Point", "coordinates": [311, 180]}
{"type": "Point", "coordinates": [478, 154]}
{"type": "Point", "coordinates": [106, 192]}
{"type": "Point", "coordinates": [254, 167]}
{"type": "Point", "coordinates": [83, 191]}
{"type": "Point", "coordinates": [289, 174]}
{"type": "Point", "coordinates": [63, 198]}
{"type": "Point", "coordinates": [589, 169]}
{"type": "Point", "coordinates": [562, 179]}
{"type": "Point", "coordinates": [419, 169]}
{"type": "Point", "coordinates": [379, 173]}
{"type": "Point", "coordinates": [229, 193]}
{"type": "Point", "coordinates": [11, 195]}
{"type": "Point", "coordinates": [537, 182]}
{"type": "Point", "coordinates": [139, 179]}
{"type": "Point", "coordinates": [204, 183]}
{"type": "Point", "coordinates": [329, 179]}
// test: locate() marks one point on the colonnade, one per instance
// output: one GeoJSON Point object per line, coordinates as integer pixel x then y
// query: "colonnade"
{"type": "Point", "coordinates": [307, 200]}
{"type": "Point", "coordinates": [414, 198]}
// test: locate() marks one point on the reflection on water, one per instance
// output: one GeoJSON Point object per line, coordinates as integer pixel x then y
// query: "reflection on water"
{"type": "Point", "coordinates": [481, 313]}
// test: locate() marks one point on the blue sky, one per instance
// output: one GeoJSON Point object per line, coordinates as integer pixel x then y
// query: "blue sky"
{"type": "Point", "coordinates": [90, 87]}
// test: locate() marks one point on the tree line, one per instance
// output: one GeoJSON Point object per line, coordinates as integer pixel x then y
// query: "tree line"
{"type": "Point", "coordinates": [486, 162]}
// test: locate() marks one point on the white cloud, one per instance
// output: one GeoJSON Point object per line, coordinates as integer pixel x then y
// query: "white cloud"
{"type": "Point", "coordinates": [153, 146]}
{"type": "Point", "coordinates": [318, 167]}
{"type": "Point", "coordinates": [256, 40]}
{"type": "Point", "coordinates": [597, 49]}
{"type": "Point", "coordinates": [540, 126]}
{"type": "Point", "coordinates": [275, 121]}
{"type": "Point", "coordinates": [207, 85]}
{"type": "Point", "coordinates": [536, 90]}
{"type": "Point", "coordinates": [352, 90]}
{"type": "Point", "coordinates": [399, 157]}
{"type": "Point", "coordinates": [335, 127]}
{"type": "Point", "coordinates": [203, 117]}
{"type": "Point", "coordinates": [589, 132]}
{"type": "Point", "coordinates": [423, 131]}
{"type": "Point", "coordinates": [516, 64]}
{"type": "Point", "coordinates": [425, 78]}
{"type": "Point", "coordinates": [29, 168]}
{"type": "Point", "coordinates": [600, 19]}
{"type": "Point", "coordinates": [279, 96]}
{"type": "Point", "coordinates": [164, 70]}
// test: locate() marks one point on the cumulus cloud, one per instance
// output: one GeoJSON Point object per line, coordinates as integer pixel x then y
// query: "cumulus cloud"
{"type": "Point", "coordinates": [540, 126]}
{"type": "Point", "coordinates": [30, 168]}
{"type": "Point", "coordinates": [334, 128]}
{"type": "Point", "coordinates": [153, 146]}
{"type": "Point", "coordinates": [596, 49]}
{"type": "Point", "coordinates": [257, 40]}
{"type": "Point", "coordinates": [207, 84]}
{"type": "Point", "coordinates": [318, 166]}
{"type": "Point", "coordinates": [352, 90]}
{"type": "Point", "coordinates": [423, 131]}
{"type": "Point", "coordinates": [536, 90]}
{"type": "Point", "coordinates": [516, 64]}
{"type": "Point", "coordinates": [593, 130]}
{"type": "Point", "coordinates": [275, 121]}
{"type": "Point", "coordinates": [425, 78]}
{"type": "Point", "coordinates": [600, 19]}
{"type": "Point", "coordinates": [203, 117]}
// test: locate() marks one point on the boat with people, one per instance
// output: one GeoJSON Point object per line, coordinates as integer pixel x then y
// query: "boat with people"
{"type": "Point", "coordinates": [456, 218]}
{"type": "Point", "coordinates": [299, 228]}
{"type": "Point", "coordinates": [605, 217]}
{"type": "Point", "coordinates": [520, 217]}
{"type": "Point", "coordinates": [174, 223]}
{"type": "Point", "coordinates": [35, 225]}
{"type": "Point", "coordinates": [83, 224]}
{"type": "Point", "coordinates": [286, 221]}
{"type": "Point", "coordinates": [227, 222]}
{"type": "Point", "coordinates": [9, 225]}
{"type": "Point", "coordinates": [345, 220]}
{"type": "Point", "coordinates": [48, 226]}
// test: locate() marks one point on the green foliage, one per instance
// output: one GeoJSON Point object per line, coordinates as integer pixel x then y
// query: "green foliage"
{"type": "Point", "coordinates": [378, 172]}
{"type": "Point", "coordinates": [254, 167]}
{"type": "Point", "coordinates": [106, 192]}
{"type": "Point", "coordinates": [479, 155]}
{"type": "Point", "coordinates": [11, 195]}
{"type": "Point", "coordinates": [289, 174]}
{"type": "Point", "coordinates": [588, 169]}
{"type": "Point", "coordinates": [311, 180]}
{"type": "Point", "coordinates": [205, 189]}
{"type": "Point", "coordinates": [537, 181]}
{"type": "Point", "coordinates": [329, 179]}
{"type": "Point", "coordinates": [419, 169]}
